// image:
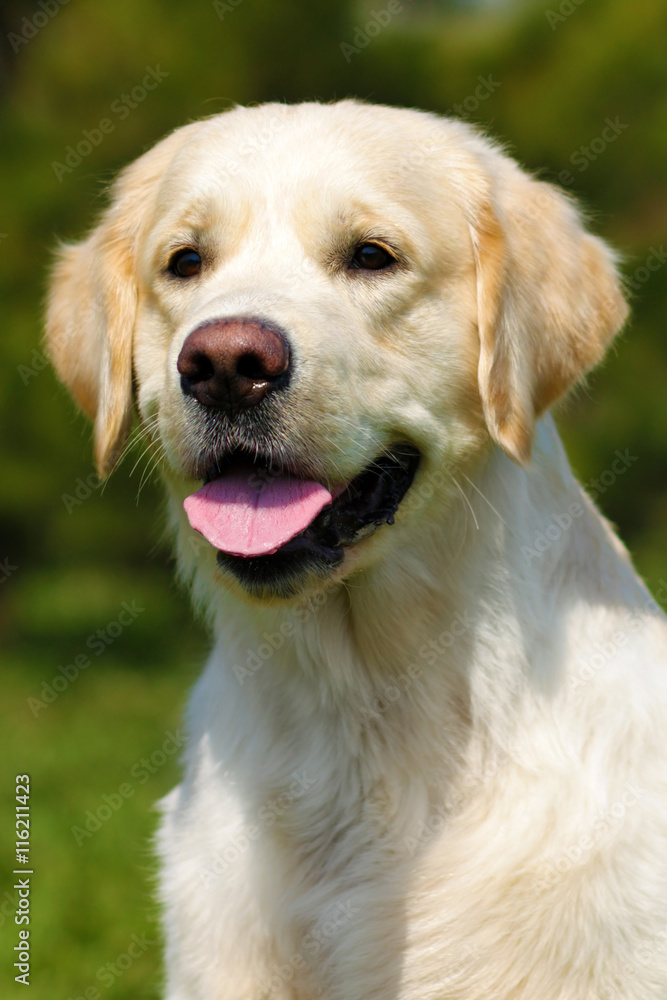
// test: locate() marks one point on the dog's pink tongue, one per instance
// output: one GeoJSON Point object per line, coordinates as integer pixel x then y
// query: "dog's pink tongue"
{"type": "Point", "coordinates": [247, 515]}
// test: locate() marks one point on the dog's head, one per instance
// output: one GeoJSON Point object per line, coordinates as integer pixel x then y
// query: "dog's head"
{"type": "Point", "coordinates": [315, 305]}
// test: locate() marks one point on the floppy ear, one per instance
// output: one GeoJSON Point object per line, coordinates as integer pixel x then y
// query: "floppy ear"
{"type": "Point", "coordinates": [549, 303]}
{"type": "Point", "coordinates": [90, 322]}
{"type": "Point", "coordinates": [92, 307]}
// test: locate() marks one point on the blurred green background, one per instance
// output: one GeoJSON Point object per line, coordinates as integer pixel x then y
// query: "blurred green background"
{"type": "Point", "coordinates": [550, 76]}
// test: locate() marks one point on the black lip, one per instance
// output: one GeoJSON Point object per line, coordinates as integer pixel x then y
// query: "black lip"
{"type": "Point", "coordinates": [368, 502]}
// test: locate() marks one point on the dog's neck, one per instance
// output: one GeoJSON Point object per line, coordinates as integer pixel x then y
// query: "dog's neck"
{"type": "Point", "coordinates": [507, 530]}
{"type": "Point", "coordinates": [474, 614]}
{"type": "Point", "coordinates": [437, 655]}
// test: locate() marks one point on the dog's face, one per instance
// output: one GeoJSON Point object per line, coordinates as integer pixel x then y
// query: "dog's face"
{"type": "Point", "coordinates": [317, 306]}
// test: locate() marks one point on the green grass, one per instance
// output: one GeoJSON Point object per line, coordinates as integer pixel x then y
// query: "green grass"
{"type": "Point", "coordinates": [89, 898]}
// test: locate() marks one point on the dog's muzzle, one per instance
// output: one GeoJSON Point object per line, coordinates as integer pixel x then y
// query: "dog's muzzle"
{"type": "Point", "coordinates": [271, 523]}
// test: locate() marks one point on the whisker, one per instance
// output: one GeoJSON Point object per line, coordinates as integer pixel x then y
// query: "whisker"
{"type": "Point", "coordinates": [151, 466]}
{"type": "Point", "coordinates": [486, 499]}
{"type": "Point", "coordinates": [466, 500]}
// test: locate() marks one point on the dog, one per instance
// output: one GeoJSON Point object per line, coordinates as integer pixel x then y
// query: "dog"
{"type": "Point", "coordinates": [426, 758]}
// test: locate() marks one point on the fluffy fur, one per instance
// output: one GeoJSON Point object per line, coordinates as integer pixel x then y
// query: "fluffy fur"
{"type": "Point", "coordinates": [438, 772]}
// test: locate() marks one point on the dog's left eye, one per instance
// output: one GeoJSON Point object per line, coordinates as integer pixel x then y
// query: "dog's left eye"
{"type": "Point", "coordinates": [371, 257]}
{"type": "Point", "coordinates": [185, 263]}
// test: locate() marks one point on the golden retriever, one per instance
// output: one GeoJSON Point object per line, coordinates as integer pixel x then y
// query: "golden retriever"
{"type": "Point", "coordinates": [427, 757]}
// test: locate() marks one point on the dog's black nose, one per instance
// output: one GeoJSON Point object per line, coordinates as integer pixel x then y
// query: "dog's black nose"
{"type": "Point", "coordinates": [233, 363]}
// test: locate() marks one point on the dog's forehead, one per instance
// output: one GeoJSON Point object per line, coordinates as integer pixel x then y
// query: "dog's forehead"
{"type": "Point", "coordinates": [343, 155]}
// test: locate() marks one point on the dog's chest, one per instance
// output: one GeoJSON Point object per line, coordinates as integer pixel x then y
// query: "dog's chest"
{"type": "Point", "coordinates": [312, 884]}
{"type": "Point", "coordinates": [312, 849]}
{"type": "Point", "coordinates": [313, 864]}
{"type": "Point", "coordinates": [316, 836]}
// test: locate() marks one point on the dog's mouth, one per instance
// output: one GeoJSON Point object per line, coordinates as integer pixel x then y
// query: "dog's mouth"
{"type": "Point", "coordinates": [267, 522]}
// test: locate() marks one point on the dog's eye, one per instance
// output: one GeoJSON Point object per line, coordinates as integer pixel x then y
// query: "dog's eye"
{"type": "Point", "coordinates": [185, 263]}
{"type": "Point", "coordinates": [371, 257]}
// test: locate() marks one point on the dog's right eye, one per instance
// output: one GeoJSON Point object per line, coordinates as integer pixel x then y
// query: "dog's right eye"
{"type": "Point", "coordinates": [371, 257]}
{"type": "Point", "coordinates": [185, 263]}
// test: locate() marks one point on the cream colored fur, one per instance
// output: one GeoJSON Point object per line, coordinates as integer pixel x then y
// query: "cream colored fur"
{"type": "Point", "coordinates": [440, 774]}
